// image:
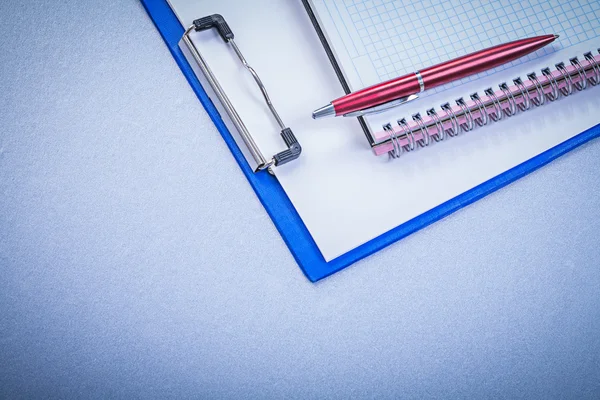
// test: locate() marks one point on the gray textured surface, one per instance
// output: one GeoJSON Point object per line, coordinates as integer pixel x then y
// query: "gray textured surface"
{"type": "Point", "coordinates": [137, 262]}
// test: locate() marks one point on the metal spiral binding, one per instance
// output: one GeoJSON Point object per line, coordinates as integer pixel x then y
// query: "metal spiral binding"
{"type": "Point", "coordinates": [526, 105]}
{"type": "Point", "coordinates": [424, 131]}
{"type": "Point", "coordinates": [394, 138]}
{"type": "Point", "coordinates": [441, 132]}
{"type": "Point", "coordinates": [532, 95]}
{"type": "Point", "coordinates": [512, 102]}
{"type": "Point", "coordinates": [470, 121]}
{"type": "Point", "coordinates": [408, 133]}
{"type": "Point", "coordinates": [553, 83]}
{"type": "Point", "coordinates": [582, 84]}
{"type": "Point", "coordinates": [540, 99]}
{"type": "Point", "coordinates": [398, 148]}
{"type": "Point", "coordinates": [498, 113]}
{"type": "Point", "coordinates": [590, 58]}
{"type": "Point", "coordinates": [455, 125]}
{"type": "Point", "coordinates": [483, 115]}
{"type": "Point", "coordinates": [560, 67]}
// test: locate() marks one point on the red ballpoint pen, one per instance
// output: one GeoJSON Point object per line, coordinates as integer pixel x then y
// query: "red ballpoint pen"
{"type": "Point", "coordinates": [406, 88]}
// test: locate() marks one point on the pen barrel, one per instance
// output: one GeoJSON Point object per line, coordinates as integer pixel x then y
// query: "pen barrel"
{"type": "Point", "coordinates": [483, 60]}
{"type": "Point", "coordinates": [379, 94]}
{"type": "Point", "coordinates": [439, 74]}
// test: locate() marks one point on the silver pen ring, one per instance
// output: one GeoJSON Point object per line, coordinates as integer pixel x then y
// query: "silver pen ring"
{"type": "Point", "coordinates": [420, 79]}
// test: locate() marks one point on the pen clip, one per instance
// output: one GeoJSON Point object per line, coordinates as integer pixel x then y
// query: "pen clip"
{"type": "Point", "coordinates": [382, 107]}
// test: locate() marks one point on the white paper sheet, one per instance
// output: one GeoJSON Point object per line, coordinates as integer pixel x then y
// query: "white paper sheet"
{"type": "Point", "coordinates": [345, 195]}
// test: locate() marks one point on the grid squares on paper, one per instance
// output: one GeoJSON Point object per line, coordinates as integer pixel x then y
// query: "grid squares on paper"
{"type": "Point", "coordinates": [401, 36]}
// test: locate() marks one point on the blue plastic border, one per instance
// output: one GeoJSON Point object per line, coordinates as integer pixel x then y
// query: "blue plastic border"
{"type": "Point", "coordinates": [278, 205]}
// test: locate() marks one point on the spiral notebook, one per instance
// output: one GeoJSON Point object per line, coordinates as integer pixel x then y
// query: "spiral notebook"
{"type": "Point", "coordinates": [374, 41]}
{"type": "Point", "coordinates": [339, 201]}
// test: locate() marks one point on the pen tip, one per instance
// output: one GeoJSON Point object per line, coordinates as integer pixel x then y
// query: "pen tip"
{"type": "Point", "coordinates": [556, 37]}
{"type": "Point", "coordinates": [324, 111]}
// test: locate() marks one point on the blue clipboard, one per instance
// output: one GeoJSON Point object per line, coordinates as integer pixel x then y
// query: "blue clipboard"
{"type": "Point", "coordinates": [280, 208]}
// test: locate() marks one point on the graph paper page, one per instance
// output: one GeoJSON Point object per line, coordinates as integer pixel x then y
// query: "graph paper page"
{"type": "Point", "coordinates": [378, 40]}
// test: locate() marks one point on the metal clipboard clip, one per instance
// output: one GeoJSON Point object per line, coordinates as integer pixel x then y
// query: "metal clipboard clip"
{"type": "Point", "coordinates": [294, 149]}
